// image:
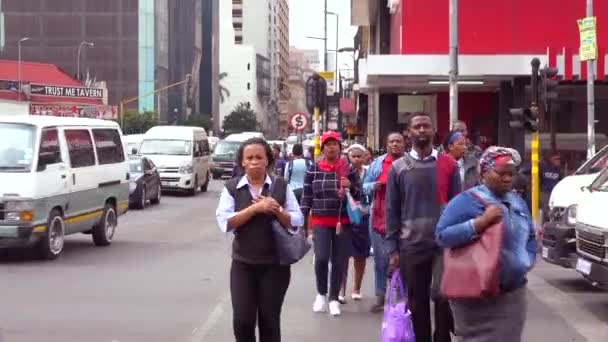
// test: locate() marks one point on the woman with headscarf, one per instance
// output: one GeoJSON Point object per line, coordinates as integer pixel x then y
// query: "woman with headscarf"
{"type": "Point", "coordinates": [455, 145]}
{"type": "Point", "coordinates": [325, 185]}
{"type": "Point", "coordinates": [464, 220]}
{"type": "Point", "coordinates": [360, 240]}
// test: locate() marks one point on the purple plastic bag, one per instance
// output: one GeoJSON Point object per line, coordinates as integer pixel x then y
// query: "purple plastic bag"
{"type": "Point", "coordinates": [397, 323]}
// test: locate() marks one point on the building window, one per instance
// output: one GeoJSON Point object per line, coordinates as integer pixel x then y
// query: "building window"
{"type": "Point", "coordinates": [237, 2]}
{"type": "Point", "coordinates": [238, 26]}
{"type": "Point", "coordinates": [238, 40]}
{"type": "Point", "coordinates": [248, 66]}
{"type": "Point", "coordinates": [248, 86]}
{"type": "Point", "coordinates": [237, 13]}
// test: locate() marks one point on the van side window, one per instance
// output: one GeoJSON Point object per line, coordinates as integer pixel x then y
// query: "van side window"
{"type": "Point", "coordinates": [205, 147]}
{"type": "Point", "coordinates": [49, 144]}
{"type": "Point", "coordinates": [108, 146]}
{"type": "Point", "coordinates": [80, 147]}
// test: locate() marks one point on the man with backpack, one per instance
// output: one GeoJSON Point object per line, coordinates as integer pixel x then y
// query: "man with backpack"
{"type": "Point", "coordinates": [295, 170]}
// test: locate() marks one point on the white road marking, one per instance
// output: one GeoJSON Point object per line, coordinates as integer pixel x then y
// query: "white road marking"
{"type": "Point", "coordinates": [583, 321]}
{"type": "Point", "coordinates": [200, 333]}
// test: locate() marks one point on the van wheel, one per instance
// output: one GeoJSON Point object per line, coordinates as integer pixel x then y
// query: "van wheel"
{"type": "Point", "coordinates": [141, 204]}
{"type": "Point", "coordinates": [103, 232]}
{"type": "Point", "coordinates": [156, 200]}
{"type": "Point", "coordinates": [192, 191]}
{"type": "Point", "coordinates": [205, 186]}
{"type": "Point", "coordinates": [51, 245]}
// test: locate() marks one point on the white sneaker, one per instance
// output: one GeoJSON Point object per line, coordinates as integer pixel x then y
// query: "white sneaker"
{"type": "Point", "coordinates": [356, 296]}
{"type": "Point", "coordinates": [320, 304]}
{"type": "Point", "coordinates": [334, 308]}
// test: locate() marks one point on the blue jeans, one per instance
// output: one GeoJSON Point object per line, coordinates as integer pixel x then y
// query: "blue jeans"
{"type": "Point", "coordinates": [380, 262]}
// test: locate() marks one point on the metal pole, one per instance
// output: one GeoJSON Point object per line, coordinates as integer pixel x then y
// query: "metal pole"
{"type": "Point", "coordinates": [337, 38]}
{"type": "Point", "coordinates": [19, 67]}
{"type": "Point", "coordinates": [534, 158]}
{"type": "Point", "coordinates": [453, 61]}
{"type": "Point", "coordinates": [590, 97]}
{"type": "Point", "coordinates": [325, 35]}
{"type": "Point", "coordinates": [78, 61]}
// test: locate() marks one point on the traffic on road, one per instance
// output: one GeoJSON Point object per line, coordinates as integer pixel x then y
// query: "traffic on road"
{"type": "Point", "coordinates": [162, 267]}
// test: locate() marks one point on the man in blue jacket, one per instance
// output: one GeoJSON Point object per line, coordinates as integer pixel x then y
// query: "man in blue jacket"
{"type": "Point", "coordinates": [374, 186]}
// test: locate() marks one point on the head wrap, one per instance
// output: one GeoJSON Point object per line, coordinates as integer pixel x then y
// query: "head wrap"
{"type": "Point", "coordinates": [454, 136]}
{"type": "Point", "coordinates": [356, 146]}
{"type": "Point", "coordinates": [493, 156]}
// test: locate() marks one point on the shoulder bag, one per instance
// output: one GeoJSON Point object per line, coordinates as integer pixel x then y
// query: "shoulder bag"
{"type": "Point", "coordinates": [472, 271]}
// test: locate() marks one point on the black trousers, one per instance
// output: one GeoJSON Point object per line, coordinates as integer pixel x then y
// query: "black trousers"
{"type": "Point", "coordinates": [333, 247]}
{"type": "Point", "coordinates": [257, 293]}
{"type": "Point", "coordinates": [417, 273]}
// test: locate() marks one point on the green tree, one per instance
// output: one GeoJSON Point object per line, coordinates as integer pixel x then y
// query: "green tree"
{"type": "Point", "coordinates": [197, 120]}
{"type": "Point", "coordinates": [138, 123]}
{"type": "Point", "coordinates": [241, 119]}
{"type": "Point", "coordinates": [224, 92]}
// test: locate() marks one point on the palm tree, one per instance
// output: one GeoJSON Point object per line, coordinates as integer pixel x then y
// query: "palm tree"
{"type": "Point", "coordinates": [224, 92]}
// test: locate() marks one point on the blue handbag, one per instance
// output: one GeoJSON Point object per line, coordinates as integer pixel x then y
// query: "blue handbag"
{"type": "Point", "coordinates": [353, 209]}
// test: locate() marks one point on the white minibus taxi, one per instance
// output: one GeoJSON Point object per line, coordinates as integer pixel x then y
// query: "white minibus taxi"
{"type": "Point", "coordinates": [60, 176]}
{"type": "Point", "coordinates": [181, 155]}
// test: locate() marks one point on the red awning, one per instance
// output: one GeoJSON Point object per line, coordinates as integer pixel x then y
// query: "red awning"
{"type": "Point", "coordinates": [39, 73]}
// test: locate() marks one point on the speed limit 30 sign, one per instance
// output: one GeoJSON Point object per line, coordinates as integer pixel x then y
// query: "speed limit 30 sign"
{"type": "Point", "coordinates": [298, 121]}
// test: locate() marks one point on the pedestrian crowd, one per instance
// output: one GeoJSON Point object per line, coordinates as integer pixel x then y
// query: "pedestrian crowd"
{"type": "Point", "coordinates": [416, 203]}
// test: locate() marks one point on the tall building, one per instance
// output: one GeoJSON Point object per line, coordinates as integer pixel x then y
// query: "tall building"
{"type": "Point", "coordinates": [246, 73]}
{"type": "Point", "coordinates": [138, 46]}
{"type": "Point", "coordinates": [210, 61]}
{"type": "Point", "coordinates": [264, 25]}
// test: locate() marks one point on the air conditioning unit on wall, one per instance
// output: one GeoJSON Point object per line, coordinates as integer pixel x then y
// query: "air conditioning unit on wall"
{"type": "Point", "coordinates": [393, 5]}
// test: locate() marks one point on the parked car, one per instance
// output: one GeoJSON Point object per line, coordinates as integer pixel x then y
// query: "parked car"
{"type": "Point", "coordinates": [592, 232]}
{"type": "Point", "coordinates": [60, 176]}
{"type": "Point", "coordinates": [559, 238]}
{"type": "Point", "coordinates": [182, 156]}
{"type": "Point", "coordinates": [145, 182]}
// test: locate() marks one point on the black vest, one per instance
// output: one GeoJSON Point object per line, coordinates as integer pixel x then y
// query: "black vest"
{"type": "Point", "coordinates": [253, 242]}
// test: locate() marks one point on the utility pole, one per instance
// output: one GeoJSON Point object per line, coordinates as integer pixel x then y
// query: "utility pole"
{"type": "Point", "coordinates": [453, 61]}
{"type": "Point", "coordinates": [590, 97]}
{"type": "Point", "coordinates": [325, 36]}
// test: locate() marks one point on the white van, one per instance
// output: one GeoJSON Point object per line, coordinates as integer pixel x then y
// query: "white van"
{"type": "Point", "coordinates": [181, 155]}
{"type": "Point", "coordinates": [559, 243]}
{"type": "Point", "coordinates": [60, 176]}
{"type": "Point", "coordinates": [133, 143]}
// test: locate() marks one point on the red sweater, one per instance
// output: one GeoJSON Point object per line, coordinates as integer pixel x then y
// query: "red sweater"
{"type": "Point", "coordinates": [445, 167]}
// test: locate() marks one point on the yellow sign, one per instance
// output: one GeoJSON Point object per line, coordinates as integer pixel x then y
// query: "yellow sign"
{"type": "Point", "coordinates": [328, 76]}
{"type": "Point", "coordinates": [588, 36]}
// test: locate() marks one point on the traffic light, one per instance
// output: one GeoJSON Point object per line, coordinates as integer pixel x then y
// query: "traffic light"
{"type": "Point", "coordinates": [526, 118]}
{"type": "Point", "coordinates": [548, 85]}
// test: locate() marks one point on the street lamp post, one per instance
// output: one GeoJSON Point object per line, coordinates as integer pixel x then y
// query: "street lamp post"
{"type": "Point", "coordinates": [84, 43]}
{"type": "Point", "coordinates": [19, 63]}
{"type": "Point", "coordinates": [337, 39]}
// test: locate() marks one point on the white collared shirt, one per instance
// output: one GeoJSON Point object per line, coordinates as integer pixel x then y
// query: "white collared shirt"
{"type": "Point", "coordinates": [226, 205]}
{"type": "Point", "coordinates": [434, 154]}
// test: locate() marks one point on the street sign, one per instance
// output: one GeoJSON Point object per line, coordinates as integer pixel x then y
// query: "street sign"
{"type": "Point", "coordinates": [298, 121]}
{"type": "Point", "coordinates": [587, 30]}
{"type": "Point", "coordinates": [329, 78]}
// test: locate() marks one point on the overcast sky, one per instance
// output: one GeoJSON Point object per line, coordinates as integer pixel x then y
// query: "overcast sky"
{"type": "Point", "coordinates": [306, 19]}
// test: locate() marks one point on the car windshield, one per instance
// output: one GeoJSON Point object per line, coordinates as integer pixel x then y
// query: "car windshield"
{"type": "Point", "coordinates": [16, 146]}
{"type": "Point", "coordinates": [226, 147]}
{"type": "Point", "coordinates": [166, 147]}
{"type": "Point", "coordinates": [135, 166]}
{"type": "Point", "coordinates": [596, 164]}
{"type": "Point", "coordinates": [600, 183]}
